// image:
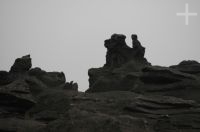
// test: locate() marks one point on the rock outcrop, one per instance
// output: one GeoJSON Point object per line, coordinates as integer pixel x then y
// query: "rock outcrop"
{"type": "Point", "coordinates": [162, 91]}
{"type": "Point", "coordinates": [127, 94]}
{"type": "Point", "coordinates": [22, 64]}
{"type": "Point", "coordinates": [136, 74]}
{"type": "Point", "coordinates": [22, 88]}
{"type": "Point", "coordinates": [119, 53]}
{"type": "Point", "coordinates": [191, 67]}
{"type": "Point", "coordinates": [120, 60]}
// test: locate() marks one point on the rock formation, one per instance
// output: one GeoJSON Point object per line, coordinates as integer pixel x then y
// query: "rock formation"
{"type": "Point", "coordinates": [127, 94]}
{"type": "Point", "coordinates": [120, 60]}
{"type": "Point", "coordinates": [118, 53]}
{"type": "Point", "coordinates": [21, 87]}
{"type": "Point", "coordinates": [21, 64]}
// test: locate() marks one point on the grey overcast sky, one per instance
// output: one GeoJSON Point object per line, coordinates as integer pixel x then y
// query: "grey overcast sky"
{"type": "Point", "coordinates": [68, 35]}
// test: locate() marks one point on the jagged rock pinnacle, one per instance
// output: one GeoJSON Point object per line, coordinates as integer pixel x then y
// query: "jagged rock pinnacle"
{"type": "Point", "coordinates": [119, 53]}
{"type": "Point", "coordinates": [22, 64]}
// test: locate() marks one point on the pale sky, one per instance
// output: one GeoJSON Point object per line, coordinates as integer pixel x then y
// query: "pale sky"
{"type": "Point", "coordinates": [68, 35]}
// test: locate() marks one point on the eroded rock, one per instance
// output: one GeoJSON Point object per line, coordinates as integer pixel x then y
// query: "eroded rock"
{"type": "Point", "coordinates": [127, 94]}
{"type": "Point", "coordinates": [21, 65]}
{"type": "Point", "coordinates": [119, 53]}
{"type": "Point", "coordinates": [191, 67]}
{"type": "Point", "coordinates": [15, 98]}
{"type": "Point", "coordinates": [120, 61]}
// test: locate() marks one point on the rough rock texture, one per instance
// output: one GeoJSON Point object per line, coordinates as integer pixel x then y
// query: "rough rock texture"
{"type": "Point", "coordinates": [118, 53]}
{"type": "Point", "coordinates": [139, 76]}
{"type": "Point", "coordinates": [166, 92]}
{"type": "Point", "coordinates": [5, 78]}
{"type": "Point", "coordinates": [127, 94]}
{"type": "Point", "coordinates": [120, 61]}
{"type": "Point", "coordinates": [22, 64]}
{"type": "Point", "coordinates": [191, 67]}
{"type": "Point", "coordinates": [15, 98]}
{"type": "Point", "coordinates": [28, 95]}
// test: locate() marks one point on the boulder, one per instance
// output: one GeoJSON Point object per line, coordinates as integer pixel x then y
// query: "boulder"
{"type": "Point", "coordinates": [21, 65]}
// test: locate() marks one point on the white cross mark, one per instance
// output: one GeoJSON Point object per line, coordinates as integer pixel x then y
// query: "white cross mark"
{"type": "Point", "coordinates": [186, 14]}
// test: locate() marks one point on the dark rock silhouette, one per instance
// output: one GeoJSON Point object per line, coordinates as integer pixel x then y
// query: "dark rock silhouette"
{"type": "Point", "coordinates": [120, 60]}
{"type": "Point", "coordinates": [118, 53]}
{"type": "Point", "coordinates": [139, 50]}
{"type": "Point", "coordinates": [127, 94]}
{"type": "Point", "coordinates": [22, 64]}
{"type": "Point", "coordinates": [19, 93]}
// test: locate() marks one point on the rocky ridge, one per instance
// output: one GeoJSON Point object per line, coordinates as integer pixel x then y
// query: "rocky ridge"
{"type": "Point", "coordinates": [126, 94]}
